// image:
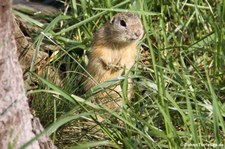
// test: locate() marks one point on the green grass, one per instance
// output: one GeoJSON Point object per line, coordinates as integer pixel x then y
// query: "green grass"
{"type": "Point", "coordinates": [179, 88]}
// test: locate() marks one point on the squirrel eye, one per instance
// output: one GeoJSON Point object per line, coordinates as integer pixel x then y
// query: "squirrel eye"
{"type": "Point", "coordinates": [123, 23]}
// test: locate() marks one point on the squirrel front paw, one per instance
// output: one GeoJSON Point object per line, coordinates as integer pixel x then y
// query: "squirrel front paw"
{"type": "Point", "coordinates": [110, 66]}
{"type": "Point", "coordinates": [105, 65]}
{"type": "Point", "coordinates": [116, 68]}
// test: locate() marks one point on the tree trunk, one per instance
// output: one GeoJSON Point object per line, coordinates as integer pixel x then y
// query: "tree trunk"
{"type": "Point", "coordinates": [15, 117]}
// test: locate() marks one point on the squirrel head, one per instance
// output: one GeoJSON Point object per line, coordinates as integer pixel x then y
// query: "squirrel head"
{"type": "Point", "coordinates": [124, 28]}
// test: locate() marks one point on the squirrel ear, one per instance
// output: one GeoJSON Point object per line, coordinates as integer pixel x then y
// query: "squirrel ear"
{"type": "Point", "coordinates": [112, 20]}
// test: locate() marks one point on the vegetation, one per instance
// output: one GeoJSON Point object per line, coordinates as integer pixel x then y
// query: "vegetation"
{"type": "Point", "coordinates": [178, 77]}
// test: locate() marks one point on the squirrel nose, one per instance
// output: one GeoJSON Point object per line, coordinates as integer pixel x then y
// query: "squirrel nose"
{"type": "Point", "coordinates": [138, 33]}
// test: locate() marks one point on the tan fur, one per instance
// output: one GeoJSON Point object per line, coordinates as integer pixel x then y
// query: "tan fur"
{"type": "Point", "coordinates": [113, 51]}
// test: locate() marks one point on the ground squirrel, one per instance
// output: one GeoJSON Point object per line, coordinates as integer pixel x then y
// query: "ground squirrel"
{"type": "Point", "coordinates": [114, 51]}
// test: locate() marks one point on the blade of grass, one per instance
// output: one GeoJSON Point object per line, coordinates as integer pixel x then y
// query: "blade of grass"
{"type": "Point", "coordinates": [52, 128]}
{"type": "Point", "coordinates": [218, 120]}
{"type": "Point", "coordinates": [104, 143]}
{"type": "Point", "coordinates": [28, 19]}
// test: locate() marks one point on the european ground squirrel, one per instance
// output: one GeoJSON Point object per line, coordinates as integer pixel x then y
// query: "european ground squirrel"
{"type": "Point", "coordinates": [113, 53]}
